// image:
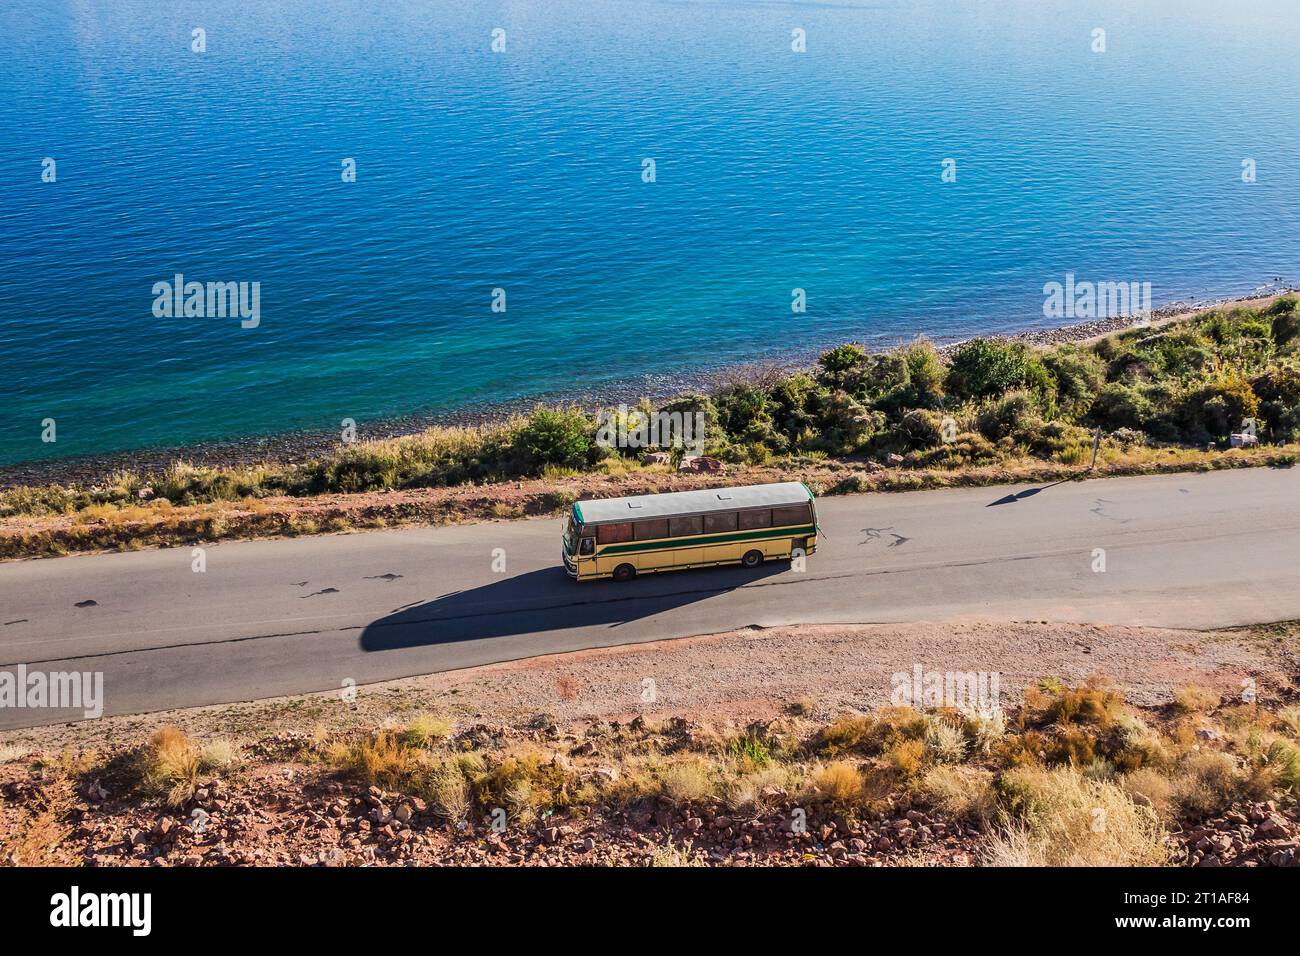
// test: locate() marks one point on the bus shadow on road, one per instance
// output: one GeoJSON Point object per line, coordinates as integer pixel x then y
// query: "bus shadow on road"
{"type": "Point", "coordinates": [547, 600]}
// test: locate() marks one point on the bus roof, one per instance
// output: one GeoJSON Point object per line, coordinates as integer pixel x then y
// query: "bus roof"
{"type": "Point", "coordinates": [672, 503]}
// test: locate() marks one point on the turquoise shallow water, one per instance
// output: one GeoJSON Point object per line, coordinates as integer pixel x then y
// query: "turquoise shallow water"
{"type": "Point", "coordinates": [522, 171]}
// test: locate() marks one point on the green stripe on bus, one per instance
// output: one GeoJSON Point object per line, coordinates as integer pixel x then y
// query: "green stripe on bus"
{"type": "Point", "coordinates": [672, 544]}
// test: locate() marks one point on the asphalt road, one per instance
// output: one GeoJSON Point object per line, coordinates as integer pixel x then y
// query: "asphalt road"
{"type": "Point", "coordinates": [289, 616]}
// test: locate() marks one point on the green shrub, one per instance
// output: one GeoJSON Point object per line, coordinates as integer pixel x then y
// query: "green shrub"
{"type": "Point", "coordinates": [1218, 408]}
{"type": "Point", "coordinates": [1121, 406]}
{"type": "Point", "coordinates": [564, 437]}
{"type": "Point", "coordinates": [1011, 414]}
{"type": "Point", "coordinates": [983, 368]}
{"type": "Point", "coordinates": [926, 374]}
{"type": "Point", "coordinates": [844, 367]}
{"type": "Point", "coordinates": [1079, 373]}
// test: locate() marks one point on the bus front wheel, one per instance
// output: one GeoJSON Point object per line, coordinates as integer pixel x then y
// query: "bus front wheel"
{"type": "Point", "coordinates": [624, 572]}
{"type": "Point", "coordinates": [752, 559]}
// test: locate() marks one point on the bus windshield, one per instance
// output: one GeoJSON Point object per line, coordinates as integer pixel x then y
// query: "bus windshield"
{"type": "Point", "coordinates": [570, 535]}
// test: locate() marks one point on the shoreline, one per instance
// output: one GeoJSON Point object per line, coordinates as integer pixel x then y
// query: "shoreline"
{"type": "Point", "coordinates": [296, 446]}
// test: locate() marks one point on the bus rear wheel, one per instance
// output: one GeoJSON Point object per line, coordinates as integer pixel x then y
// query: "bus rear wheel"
{"type": "Point", "coordinates": [624, 572]}
{"type": "Point", "coordinates": [752, 559]}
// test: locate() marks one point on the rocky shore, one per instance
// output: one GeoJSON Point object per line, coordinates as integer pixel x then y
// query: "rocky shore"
{"type": "Point", "coordinates": [292, 447]}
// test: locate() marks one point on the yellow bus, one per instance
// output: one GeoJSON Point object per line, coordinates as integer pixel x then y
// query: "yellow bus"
{"type": "Point", "coordinates": [620, 538]}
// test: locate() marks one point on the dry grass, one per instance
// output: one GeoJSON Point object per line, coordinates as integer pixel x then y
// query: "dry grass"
{"type": "Point", "coordinates": [1282, 758]}
{"type": "Point", "coordinates": [1151, 788]}
{"type": "Point", "coordinates": [1205, 783]}
{"type": "Point", "coordinates": [217, 755]}
{"type": "Point", "coordinates": [171, 763]}
{"type": "Point", "coordinates": [1077, 778]}
{"type": "Point", "coordinates": [1289, 718]}
{"type": "Point", "coordinates": [674, 856]}
{"type": "Point", "coordinates": [382, 759]}
{"type": "Point", "coordinates": [1060, 818]}
{"type": "Point", "coordinates": [758, 789]}
{"type": "Point", "coordinates": [449, 793]}
{"type": "Point", "coordinates": [40, 839]}
{"type": "Point", "coordinates": [945, 741]}
{"type": "Point", "coordinates": [425, 730]}
{"type": "Point", "coordinates": [907, 757]}
{"type": "Point", "coordinates": [1092, 704]}
{"type": "Point", "coordinates": [1194, 699]}
{"type": "Point", "coordinates": [961, 793]}
{"type": "Point", "coordinates": [985, 729]}
{"type": "Point", "coordinates": [840, 783]}
{"type": "Point", "coordinates": [687, 781]}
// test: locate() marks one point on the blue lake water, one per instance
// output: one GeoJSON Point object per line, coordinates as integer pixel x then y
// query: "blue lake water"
{"type": "Point", "coordinates": [522, 170]}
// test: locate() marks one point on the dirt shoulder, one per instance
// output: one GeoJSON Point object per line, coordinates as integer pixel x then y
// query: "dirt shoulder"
{"type": "Point", "coordinates": [704, 750]}
{"type": "Point", "coordinates": [741, 676]}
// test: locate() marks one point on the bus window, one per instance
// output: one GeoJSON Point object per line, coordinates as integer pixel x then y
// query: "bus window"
{"type": "Point", "coordinates": [681, 527]}
{"type": "Point", "coordinates": [755, 519]}
{"type": "Point", "coordinates": [723, 521]}
{"type": "Point", "coordinates": [588, 546]}
{"type": "Point", "coordinates": [796, 514]}
{"type": "Point", "coordinates": [613, 533]}
{"type": "Point", "coordinates": [652, 529]}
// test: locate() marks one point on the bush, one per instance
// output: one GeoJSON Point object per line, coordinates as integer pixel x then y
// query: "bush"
{"type": "Point", "coordinates": [1150, 788]}
{"type": "Point", "coordinates": [218, 755]}
{"type": "Point", "coordinates": [1121, 406]}
{"type": "Point", "coordinates": [844, 367]}
{"type": "Point", "coordinates": [848, 733]}
{"type": "Point", "coordinates": [794, 402]}
{"type": "Point", "coordinates": [1279, 393]}
{"type": "Point", "coordinates": [847, 423]}
{"type": "Point", "coordinates": [984, 368]}
{"type": "Point", "coordinates": [1009, 415]}
{"type": "Point", "coordinates": [382, 759]}
{"type": "Point", "coordinates": [563, 437]}
{"type": "Point", "coordinates": [1079, 373]}
{"type": "Point", "coordinates": [945, 740]}
{"type": "Point", "coordinates": [926, 374]}
{"type": "Point", "coordinates": [921, 429]}
{"type": "Point", "coordinates": [1093, 705]}
{"type": "Point", "coordinates": [1219, 408]}
{"type": "Point", "coordinates": [1286, 327]}
{"type": "Point", "coordinates": [744, 416]}
{"type": "Point", "coordinates": [752, 790]}
{"type": "Point", "coordinates": [906, 757]}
